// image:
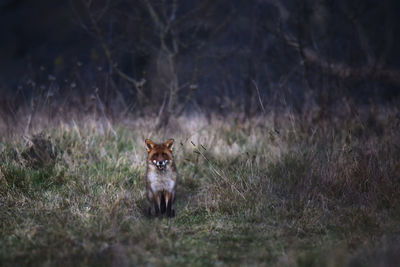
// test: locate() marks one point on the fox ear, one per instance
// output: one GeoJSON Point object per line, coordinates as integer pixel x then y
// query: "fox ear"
{"type": "Point", "coordinates": [149, 144]}
{"type": "Point", "coordinates": [170, 144]}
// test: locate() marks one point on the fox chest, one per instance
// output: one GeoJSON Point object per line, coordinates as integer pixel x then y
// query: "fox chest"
{"type": "Point", "coordinates": [161, 181]}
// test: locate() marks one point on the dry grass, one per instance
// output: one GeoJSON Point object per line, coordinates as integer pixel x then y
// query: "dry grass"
{"type": "Point", "coordinates": [293, 192]}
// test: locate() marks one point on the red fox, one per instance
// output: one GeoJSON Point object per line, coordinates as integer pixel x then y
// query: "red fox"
{"type": "Point", "coordinates": [161, 178]}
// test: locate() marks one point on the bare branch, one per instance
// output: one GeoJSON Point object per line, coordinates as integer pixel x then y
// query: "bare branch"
{"type": "Point", "coordinates": [342, 70]}
{"type": "Point", "coordinates": [259, 96]}
{"type": "Point", "coordinates": [154, 16]}
{"type": "Point", "coordinates": [362, 36]}
{"type": "Point", "coordinates": [173, 11]}
{"type": "Point", "coordinates": [192, 14]}
{"type": "Point", "coordinates": [137, 84]}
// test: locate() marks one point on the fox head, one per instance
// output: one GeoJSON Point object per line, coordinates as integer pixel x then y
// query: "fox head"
{"type": "Point", "coordinates": [160, 155]}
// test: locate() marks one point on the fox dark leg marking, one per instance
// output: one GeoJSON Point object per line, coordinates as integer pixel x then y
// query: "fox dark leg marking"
{"type": "Point", "coordinates": [168, 200]}
{"type": "Point", "coordinates": [169, 209]}
{"type": "Point", "coordinates": [162, 203]}
{"type": "Point", "coordinates": [157, 204]}
{"type": "Point", "coordinates": [172, 204]}
{"type": "Point", "coordinates": [156, 209]}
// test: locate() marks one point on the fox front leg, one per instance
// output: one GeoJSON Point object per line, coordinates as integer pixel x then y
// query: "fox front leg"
{"type": "Point", "coordinates": [169, 203]}
{"type": "Point", "coordinates": [152, 207]}
{"type": "Point", "coordinates": [157, 202]}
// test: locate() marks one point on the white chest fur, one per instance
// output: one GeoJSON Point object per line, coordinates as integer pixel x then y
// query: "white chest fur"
{"type": "Point", "coordinates": [161, 180]}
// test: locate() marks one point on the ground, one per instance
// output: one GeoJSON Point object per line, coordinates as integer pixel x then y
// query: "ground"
{"type": "Point", "coordinates": [283, 191]}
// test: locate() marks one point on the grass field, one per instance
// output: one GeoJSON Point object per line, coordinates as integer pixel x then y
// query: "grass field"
{"type": "Point", "coordinates": [295, 192]}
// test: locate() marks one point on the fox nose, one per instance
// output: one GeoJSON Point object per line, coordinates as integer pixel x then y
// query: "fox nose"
{"type": "Point", "coordinates": [160, 163]}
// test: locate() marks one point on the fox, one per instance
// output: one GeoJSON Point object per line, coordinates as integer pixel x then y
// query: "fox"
{"type": "Point", "coordinates": [161, 178]}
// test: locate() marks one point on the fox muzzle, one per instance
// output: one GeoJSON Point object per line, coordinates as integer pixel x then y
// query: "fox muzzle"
{"type": "Point", "coordinates": [160, 164]}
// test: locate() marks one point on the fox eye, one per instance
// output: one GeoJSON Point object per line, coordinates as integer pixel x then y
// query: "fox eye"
{"type": "Point", "coordinates": [164, 155]}
{"type": "Point", "coordinates": [155, 155]}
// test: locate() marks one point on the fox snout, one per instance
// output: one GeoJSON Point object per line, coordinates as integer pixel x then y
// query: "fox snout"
{"type": "Point", "coordinates": [160, 164]}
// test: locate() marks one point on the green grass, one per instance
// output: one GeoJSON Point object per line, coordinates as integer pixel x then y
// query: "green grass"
{"type": "Point", "coordinates": [306, 194]}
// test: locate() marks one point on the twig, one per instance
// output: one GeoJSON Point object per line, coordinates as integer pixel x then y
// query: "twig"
{"type": "Point", "coordinates": [107, 52]}
{"type": "Point", "coordinates": [220, 173]}
{"type": "Point", "coordinates": [104, 114]}
{"type": "Point", "coordinates": [259, 97]}
{"type": "Point", "coordinates": [161, 109]}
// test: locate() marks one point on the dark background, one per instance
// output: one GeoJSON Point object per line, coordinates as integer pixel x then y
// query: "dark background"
{"type": "Point", "coordinates": [170, 57]}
